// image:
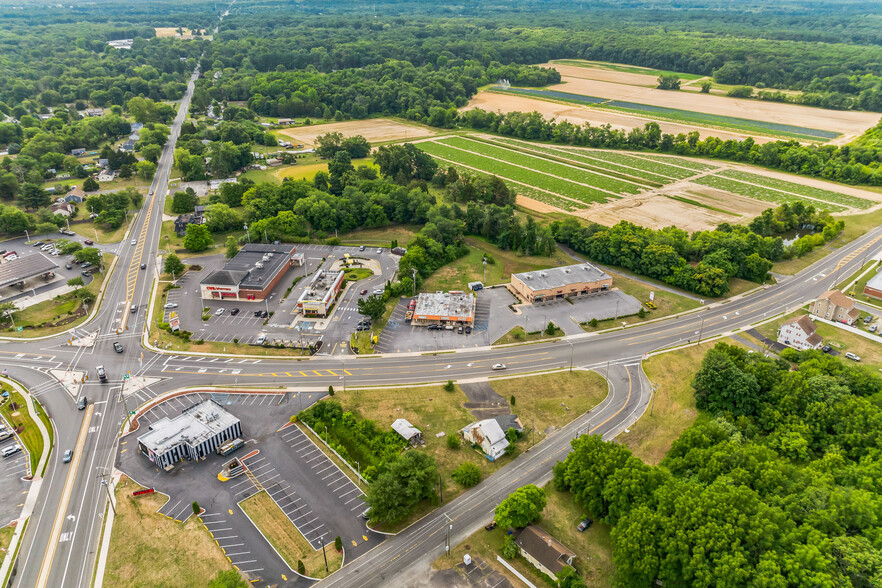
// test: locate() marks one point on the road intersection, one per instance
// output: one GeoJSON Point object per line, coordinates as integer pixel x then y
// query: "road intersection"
{"type": "Point", "coordinates": [60, 544]}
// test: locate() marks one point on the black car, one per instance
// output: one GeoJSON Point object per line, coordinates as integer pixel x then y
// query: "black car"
{"type": "Point", "coordinates": [117, 347]}
{"type": "Point", "coordinates": [234, 312]}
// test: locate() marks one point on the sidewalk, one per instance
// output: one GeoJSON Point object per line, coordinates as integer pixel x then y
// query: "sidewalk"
{"type": "Point", "coordinates": [36, 484]}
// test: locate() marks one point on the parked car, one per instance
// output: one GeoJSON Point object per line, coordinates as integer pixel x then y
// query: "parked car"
{"type": "Point", "coordinates": [170, 305]}
{"type": "Point", "coordinates": [117, 347]}
{"type": "Point", "coordinates": [219, 311]}
{"type": "Point", "coordinates": [498, 366]}
{"type": "Point", "coordinates": [68, 455]}
{"type": "Point", "coordinates": [584, 525]}
{"type": "Point", "coordinates": [234, 312]}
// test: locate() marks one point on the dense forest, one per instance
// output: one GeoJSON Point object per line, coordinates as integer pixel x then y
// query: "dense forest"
{"type": "Point", "coordinates": [776, 484]}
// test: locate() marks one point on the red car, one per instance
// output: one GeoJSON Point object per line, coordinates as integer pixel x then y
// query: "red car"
{"type": "Point", "coordinates": [363, 292]}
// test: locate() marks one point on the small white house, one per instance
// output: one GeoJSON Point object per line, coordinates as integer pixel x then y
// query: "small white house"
{"type": "Point", "coordinates": [489, 435]}
{"type": "Point", "coordinates": [799, 333]}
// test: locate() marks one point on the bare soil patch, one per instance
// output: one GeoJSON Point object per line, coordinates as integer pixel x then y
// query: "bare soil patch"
{"type": "Point", "coordinates": [497, 102]}
{"type": "Point", "coordinates": [656, 211]}
{"type": "Point", "coordinates": [841, 121]}
{"type": "Point", "coordinates": [375, 130]}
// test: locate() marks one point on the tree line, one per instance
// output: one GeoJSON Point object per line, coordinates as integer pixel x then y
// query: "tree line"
{"type": "Point", "coordinates": [776, 484]}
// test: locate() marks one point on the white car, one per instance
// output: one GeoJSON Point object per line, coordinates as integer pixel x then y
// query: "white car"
{"type": "Point", "coordinates": [219, 311]}
{"type": "Point", "coordinates": [498, 366]}
{"type": "Point", "coordinates": [171, 305]}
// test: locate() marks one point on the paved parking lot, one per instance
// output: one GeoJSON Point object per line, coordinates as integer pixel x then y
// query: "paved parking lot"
{"type": "Point", "coordinates": [310, 489]}
{"type": "Point", "coordinates": [13, 488]}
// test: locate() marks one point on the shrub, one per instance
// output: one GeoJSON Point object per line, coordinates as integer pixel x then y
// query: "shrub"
{"type": "Point", "coordinates": [453, 441]}
{"type": "Point", "coordinates": [467, 474]}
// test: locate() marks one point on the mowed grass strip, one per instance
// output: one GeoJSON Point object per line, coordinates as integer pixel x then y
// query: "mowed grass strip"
{"type": "Point", "coordinates": [517, 174]}
{"type": "Point", "coordinates": [543, 164]}
{"type": "Point", "coordinates": [793, 187]}
{"type": "Point", "coordinates": [148, 549]}
{"type": "Point", "coordinates": [286, 539]}
{"type": "Point", "coordinates": [581, 159]}
{"type": "Point", "coordinates": [761, 193]}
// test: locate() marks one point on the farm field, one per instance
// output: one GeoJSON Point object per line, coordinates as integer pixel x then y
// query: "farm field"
{"type": "Point", "coordinates": [849, 123]}
{"type": "Point", "coordinates": [649, 189]}
{"type": "Point", "coordinates": [375, 130]}
{"type": "Point", "coordinates": [579, 115]}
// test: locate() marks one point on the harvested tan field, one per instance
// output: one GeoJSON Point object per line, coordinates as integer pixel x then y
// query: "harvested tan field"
{"type": "Point", "coordinates": [656, 211]}
{"type": "Point", "coordinates": [841, 121]}
{"type": "Point", "coordinates": [375, 130]}
{"type": "Point", "coordinates": [497, 102]}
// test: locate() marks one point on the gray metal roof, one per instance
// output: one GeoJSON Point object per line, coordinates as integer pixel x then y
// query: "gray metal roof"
{"type": "Point", "coordinates": [25, 267]}
{"type": "Point", "coordinates": [195, 424]}
{"type": "Point", "coordinates": [558, 277]}
{"type": "Point", "coordinates": [253, 267]}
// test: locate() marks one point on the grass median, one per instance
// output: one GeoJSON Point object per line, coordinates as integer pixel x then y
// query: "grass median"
{"type": "Point", "coordinates": [286, 539]}
{"type": "Point", "coordinates": [148, 549]}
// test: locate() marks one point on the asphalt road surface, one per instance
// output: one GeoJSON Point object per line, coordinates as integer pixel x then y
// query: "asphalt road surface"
{"type": "Point", "coordinates": [60, 544]}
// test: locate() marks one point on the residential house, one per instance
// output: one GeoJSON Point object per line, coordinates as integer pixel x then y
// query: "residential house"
{"type": "Point", "coordinates": [78, 151]}
{"type": "Point", "coordinates": [194, 218]}
{"type": "Point", "coordinates": [547, 554]}
{"type": "Point", "coordinates": [488, 434]}
{"type": "Point", "coordinates": [75, 196]}
{"type": "Point", "coordinates": [833, 305]}
{"type": "Point", "coordinates": [799, 333]}
{"type": "Point", "coordinates": [63, 208]}
{"type": "Point", "coordinates": [410, 433]}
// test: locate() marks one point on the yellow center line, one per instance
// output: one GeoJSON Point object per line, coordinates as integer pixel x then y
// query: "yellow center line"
{"type": "Point", "coordinates": [52, 544]}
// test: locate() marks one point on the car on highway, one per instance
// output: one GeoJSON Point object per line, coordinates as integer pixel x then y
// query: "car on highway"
{"type": "Point", "coordinates": [234, 312]}
{"type": "Point", "coordinates": [11, 450]}
{"type": "Point", "coordinates": [584, 525]}
{"type": "Point", "coordinates": [170, 305]}
{"type": "Point", "coordinates": [498, 366]}
{"type": "Point", "coordinates": [219, 311]}
{"type": "Point", "coordinates": [68, 455]}
{"type": "Point", "coordinates": [363, 292]}
{"type": "Point", "coordinates": [117, 347]}
{"type": "Point", "coordinates": [82, 402]}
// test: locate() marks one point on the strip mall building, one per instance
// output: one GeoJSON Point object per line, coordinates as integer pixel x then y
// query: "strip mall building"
{"type": "Point", "coordinates": [251, 275]}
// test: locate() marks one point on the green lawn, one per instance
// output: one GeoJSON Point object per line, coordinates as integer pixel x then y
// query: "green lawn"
{"type": "Point", "coordinates": [457, 275]}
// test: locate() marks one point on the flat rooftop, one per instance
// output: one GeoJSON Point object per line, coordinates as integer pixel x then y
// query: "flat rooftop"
{"type": "Point", "coordinates": [453, 303]}
{"type": "Point", "coordinates": [195, 424]}
{"type": "Point", "coordinates": [558, 277]}
{"type": "Point", "coordinates": [27, 266]}
{"type": "Point", "coordinates": [320, 286]}
{"type": "Point", "coordinates": [253, 267]}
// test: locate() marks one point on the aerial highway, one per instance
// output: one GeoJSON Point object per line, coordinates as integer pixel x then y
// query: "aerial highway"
{"type": "Point", "coordinates": [61, 541]}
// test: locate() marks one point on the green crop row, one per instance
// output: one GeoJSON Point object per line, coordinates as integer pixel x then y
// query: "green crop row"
{"type": "Point", "coordinates": [760, 193]}
{"type": "Point", "coordinates": [517, 174]}
{"type": "Point", "coordinates": [544, 165]}
{"type": "Point", "coordinates": [584, 158]}
{"type": "Point", "coordinates": [820, 193]}
{"type": "Point", "coordinates": [529, 192]}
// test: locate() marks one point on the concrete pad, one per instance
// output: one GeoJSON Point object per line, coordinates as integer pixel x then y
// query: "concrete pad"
{"type": "Point", "coordinates": [72, 380]}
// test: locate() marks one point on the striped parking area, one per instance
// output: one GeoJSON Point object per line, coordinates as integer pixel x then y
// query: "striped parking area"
{"type": "Point", "coordinates": [310, 458]}
{"type": "Point", "coordinates": [233, 545]}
